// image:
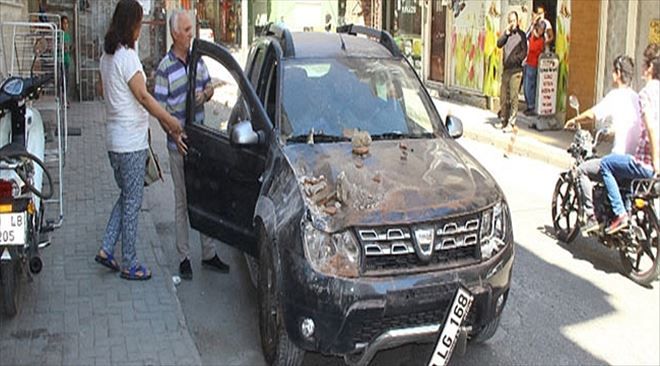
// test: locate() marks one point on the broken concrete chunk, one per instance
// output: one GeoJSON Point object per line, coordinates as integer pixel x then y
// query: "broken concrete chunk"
{"type": "Point", "coordinates": [330, 210]}
{"type": "Point", "coordinates": [342, 187]}
{"type": "Point", "coordinates": [359, 164]}
{"type": "Point", "coordinates": [361, 141]}
{"type": "Point", "coordinates": [377, 178]}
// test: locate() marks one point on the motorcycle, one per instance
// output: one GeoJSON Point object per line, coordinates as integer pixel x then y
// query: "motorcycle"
{"type": "Point", "coordinates": [23, 176]}
{"type": "Point", "coordinates": [638, 245]}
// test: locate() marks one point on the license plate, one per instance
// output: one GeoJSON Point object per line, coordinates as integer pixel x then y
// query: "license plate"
{"type": "Point", "coordinates": [12, 228]}
{"type": "Point", "coordinates": [449, 334]}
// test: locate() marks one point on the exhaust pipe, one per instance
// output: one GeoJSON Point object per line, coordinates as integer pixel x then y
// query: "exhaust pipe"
{"type": "Point", "coordinates": [36, 264]}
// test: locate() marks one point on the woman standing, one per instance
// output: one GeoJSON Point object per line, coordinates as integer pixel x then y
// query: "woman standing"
{"type": "Point", "coordinates": [126, 99]}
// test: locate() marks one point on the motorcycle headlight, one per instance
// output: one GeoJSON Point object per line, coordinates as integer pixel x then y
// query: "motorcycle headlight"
{"type": "Point", "coordinates": [493, 230]}
{"type": "Point", "coordinates": [335, 254]}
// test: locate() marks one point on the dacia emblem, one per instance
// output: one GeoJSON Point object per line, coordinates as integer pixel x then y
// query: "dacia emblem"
{"type": "Point", "coordinates": [424, 238]}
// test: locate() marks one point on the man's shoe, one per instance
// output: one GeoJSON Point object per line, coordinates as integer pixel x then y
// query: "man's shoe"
{"type": "Point", "coordinates": [591, 225]}
{"type": "Point", "coordinates": [619, 223]}
{"type": "Point", "coordinates": [216, 264]}
{"type": "Point", "coordinates": [185, 269]}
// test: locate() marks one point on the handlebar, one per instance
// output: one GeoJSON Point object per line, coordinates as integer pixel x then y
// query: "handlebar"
{"type": "Point", "coordinates": [29, 86]}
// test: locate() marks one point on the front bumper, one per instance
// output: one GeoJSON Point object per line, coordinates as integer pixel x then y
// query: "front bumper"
{"type": "Point", "coordinates": [361, 316]}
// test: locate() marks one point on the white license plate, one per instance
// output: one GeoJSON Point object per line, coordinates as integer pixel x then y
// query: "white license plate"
{"type": "Point", "coordinates": [449, 334]}
{"type": "Point", "coordinates": [12, 228]}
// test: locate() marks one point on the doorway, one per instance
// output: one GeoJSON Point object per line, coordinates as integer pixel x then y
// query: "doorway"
{"type": "Point", "coordinates": [438, 38]}
{"type": "Point", "coordinates": [550, 7]}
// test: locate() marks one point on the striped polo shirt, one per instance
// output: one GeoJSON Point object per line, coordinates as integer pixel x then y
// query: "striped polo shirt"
{"type": "Point", "coordinates": [172, 85]}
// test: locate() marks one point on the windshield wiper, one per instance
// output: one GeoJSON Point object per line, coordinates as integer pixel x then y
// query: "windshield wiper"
{"type": "Point", "coordinates": [316, 137]}
{"type": "Point", "coordinates": [401, 135]}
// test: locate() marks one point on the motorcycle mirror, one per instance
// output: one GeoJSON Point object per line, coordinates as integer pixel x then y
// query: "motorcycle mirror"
{"type": "Point", "coordinates": [574, 102]}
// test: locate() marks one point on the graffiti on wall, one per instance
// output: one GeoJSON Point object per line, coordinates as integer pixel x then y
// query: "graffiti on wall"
{"type": "Point", "coordinates": [467, 46]}
{"type": "Point", "coordinates": [492, 54]}
{"type": "Point", "coordinates": [562, 44]}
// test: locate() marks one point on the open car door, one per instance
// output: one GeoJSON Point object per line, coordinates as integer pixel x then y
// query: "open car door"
{"type": "Point", "coordinates": [222, 179]}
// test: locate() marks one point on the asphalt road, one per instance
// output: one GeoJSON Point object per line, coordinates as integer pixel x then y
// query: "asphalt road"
{"type": "Point", "coordinates": [569, 304]}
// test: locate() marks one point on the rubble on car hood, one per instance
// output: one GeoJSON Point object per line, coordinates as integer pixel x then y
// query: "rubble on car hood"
{"type": "Point", "coordinates": [395, 182]}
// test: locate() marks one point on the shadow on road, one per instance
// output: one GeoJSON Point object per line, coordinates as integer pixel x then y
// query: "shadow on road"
{"type": "Point", "coordinates": [588, 249]}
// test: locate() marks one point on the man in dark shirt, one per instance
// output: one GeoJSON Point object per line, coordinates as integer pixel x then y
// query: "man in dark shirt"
{"type": "Point", "coordinates": [514, 42]}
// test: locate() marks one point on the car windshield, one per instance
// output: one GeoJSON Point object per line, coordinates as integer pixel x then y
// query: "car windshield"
{"type": "Point", "coordinates": [334, 97]}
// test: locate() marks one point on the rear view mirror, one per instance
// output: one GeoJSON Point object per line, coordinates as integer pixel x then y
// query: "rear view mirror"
{"type": "Point", "coordinates": [454, 126]}
{"type": "Point", "coordinates": [243, 134]}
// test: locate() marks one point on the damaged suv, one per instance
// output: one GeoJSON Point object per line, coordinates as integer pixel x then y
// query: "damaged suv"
{"type": "Point", "coordinates": [361, 216]}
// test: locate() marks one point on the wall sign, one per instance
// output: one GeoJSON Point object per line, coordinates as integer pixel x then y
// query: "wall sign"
{"type": "Point", "coordinates": [546, 84]}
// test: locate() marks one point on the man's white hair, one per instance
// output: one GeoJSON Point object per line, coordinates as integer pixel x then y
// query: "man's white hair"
{"type": "Point", "coordinates": [174, 20]}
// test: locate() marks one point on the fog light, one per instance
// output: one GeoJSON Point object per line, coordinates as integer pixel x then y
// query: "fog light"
{"type": "Point", "coordinates": [307, 328]}
{"type": "Point", "coordinates": [499, 303]}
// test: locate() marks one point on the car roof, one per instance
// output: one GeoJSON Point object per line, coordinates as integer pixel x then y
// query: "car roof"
{"type": "Point", "coordinates": [333, 45]}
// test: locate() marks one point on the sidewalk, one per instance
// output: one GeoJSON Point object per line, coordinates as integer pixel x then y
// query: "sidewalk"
{"type": "Point", "coordinates": [479, 124]}
{"type": "Point", "coordinates": [76, 312]}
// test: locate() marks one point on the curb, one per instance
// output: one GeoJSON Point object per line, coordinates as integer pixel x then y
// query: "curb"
{"type": "Point", "coordinates": [523, 146]}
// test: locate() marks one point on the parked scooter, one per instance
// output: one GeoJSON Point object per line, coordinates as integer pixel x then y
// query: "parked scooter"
{"type": "Point", "coordinates": [638, 245]}
{"type": "Point", "coordinates": [22, 193]}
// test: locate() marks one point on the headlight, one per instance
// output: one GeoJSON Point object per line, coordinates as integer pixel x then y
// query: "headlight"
{"type": "Point", "coordinates": [332, 254]}
{"type": "Point", "coordinates": [493, 229]}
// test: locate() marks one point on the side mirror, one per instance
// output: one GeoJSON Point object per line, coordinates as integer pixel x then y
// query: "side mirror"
{"type": "Point", "coordinates": [243, 134]}
{"type": "Point", "coordinates": [454, 126]}
{"type": "Point", "coordinates": [574, 103]}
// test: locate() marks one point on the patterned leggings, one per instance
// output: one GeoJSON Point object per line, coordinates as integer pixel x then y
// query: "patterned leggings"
{"type": "Point", "coordinates": [129, 175]}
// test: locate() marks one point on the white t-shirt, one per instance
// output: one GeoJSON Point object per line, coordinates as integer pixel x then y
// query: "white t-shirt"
{"type": "Point", "coordinates": [127, 123]}
{"type": "Point", "coordinates": [622, 104]}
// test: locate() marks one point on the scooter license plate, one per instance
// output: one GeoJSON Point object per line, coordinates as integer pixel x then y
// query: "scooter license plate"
{"type": "Point", "coordinates": [449, 334]}
{"type": "Point", "coordinates": [13, 228]}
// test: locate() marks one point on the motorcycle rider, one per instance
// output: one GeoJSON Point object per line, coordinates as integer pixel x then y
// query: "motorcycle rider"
{"type": "Point", "coordinates": [621, 104]}
{"type": "Point", "coordinates": [645, 161]}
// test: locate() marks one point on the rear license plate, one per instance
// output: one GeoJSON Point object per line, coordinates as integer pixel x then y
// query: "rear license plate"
{"type": "Point", "coordinates": [12, 228]}
{"type": "Point", "coordinates": [449, 334]}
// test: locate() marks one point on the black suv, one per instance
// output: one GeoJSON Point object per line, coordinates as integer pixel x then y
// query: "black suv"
{"type": "Point", "coordinates": [363, 217]}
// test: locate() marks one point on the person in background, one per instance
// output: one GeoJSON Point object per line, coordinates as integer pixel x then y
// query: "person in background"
{"type": "Point", "coordinates": [645, 161]}
{"type": "Point", "coordinates": [514, 43]}
{"type": "Point", "coordinates": [127, 126]}
{"type": "Point", "coordinates": [536, 42]}
{"type": "Point", "coordinates": [622, 105]}
{"type": "Point", "coordinates": [67, 40]}
{"type": "Point", "coordinates": [170, 91]}
{"type": "Point", "coordinates": [539, 16]}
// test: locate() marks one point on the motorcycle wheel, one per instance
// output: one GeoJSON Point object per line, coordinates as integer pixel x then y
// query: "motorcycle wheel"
{"type": "Point", "coordinates": [642, 263]}
{"type": "Point", "coordinates": [566, 209]}
{"type": "Point", "coordinates": [9, 278]}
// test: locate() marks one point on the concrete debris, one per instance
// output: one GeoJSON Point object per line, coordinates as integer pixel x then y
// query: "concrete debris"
{"type": "Point", "coordinates": [361, 141]}
{"type": "Point", "coordinates": [377, 178]}
{"type": "Point", "coordinates": [330, 210]}
{"type": "Point", "coordinates": [342, 187]}
{"type": "Point", "coordinates": [359, 164]}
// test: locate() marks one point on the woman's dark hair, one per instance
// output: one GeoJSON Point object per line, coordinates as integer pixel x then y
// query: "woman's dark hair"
{"type": "Point", "coordinates": [652, 57]}
{"type": "Point", "coordinates": [125, 21]}
{"type": "Point", "coordinates": [625, 66]}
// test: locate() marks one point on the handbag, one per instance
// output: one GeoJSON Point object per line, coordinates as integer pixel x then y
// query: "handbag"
{"type": "Point", "coordinates": [152, 171]}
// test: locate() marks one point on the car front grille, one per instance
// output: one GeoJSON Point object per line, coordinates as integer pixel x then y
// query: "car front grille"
{"type": "Point", "coordinates": [396, 248]}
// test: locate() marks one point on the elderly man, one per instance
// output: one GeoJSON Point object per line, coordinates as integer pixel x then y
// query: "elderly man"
{"type": "Point", "coordinates": [170, 91]}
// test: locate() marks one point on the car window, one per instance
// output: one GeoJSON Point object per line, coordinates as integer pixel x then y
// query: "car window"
{"type": "Point", "coordinates": [336, 96]}
{"type": "Point", "coordinates": [214, 109]}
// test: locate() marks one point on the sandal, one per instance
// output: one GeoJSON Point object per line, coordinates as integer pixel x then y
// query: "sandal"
{"type": "Point", "coordinates": [136, 273]}
{"type": "Point", "coordinates": [107, 260]}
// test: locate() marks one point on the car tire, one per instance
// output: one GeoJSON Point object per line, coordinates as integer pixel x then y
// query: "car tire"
{"type": "Point", "coordinates": [487, 332]}
{"type": "Point", "coordinates": [277, 347]}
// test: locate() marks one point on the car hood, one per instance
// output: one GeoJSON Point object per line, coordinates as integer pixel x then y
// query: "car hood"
{"type": "Point", "coordinates": [396, 182]}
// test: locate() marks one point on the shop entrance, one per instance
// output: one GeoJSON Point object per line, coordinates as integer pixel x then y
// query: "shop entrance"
{"type": "Point", "coordinates": [550, 7]}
